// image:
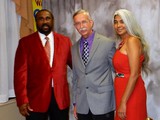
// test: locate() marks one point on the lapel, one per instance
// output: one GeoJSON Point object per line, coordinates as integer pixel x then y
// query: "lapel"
{"type": "Point", "coordinates": [95, 45]}
{"type": "Point", "coordinates": [79, 56]}
{"type": "Point", "coordinates": [40, 47]}
{"type": "Point", "coordinates": [55, 48]}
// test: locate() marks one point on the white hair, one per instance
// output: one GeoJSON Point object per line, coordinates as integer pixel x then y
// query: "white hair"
{"type": "Point", "coordinates": [134, 29]}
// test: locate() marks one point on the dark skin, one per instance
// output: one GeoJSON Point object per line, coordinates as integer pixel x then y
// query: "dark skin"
{"type": "Point", "coordinates": [44, 22]}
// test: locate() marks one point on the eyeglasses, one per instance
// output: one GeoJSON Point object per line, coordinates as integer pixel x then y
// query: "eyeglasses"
{"type": "Point", "coordinates": [84, 22]}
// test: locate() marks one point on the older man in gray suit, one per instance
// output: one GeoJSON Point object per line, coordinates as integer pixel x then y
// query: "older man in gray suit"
{"type": "Point", "coordinates": [93, 92]}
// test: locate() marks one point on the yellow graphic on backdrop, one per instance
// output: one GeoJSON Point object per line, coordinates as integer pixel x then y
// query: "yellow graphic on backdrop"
{"type": "Point", "coordinates": [37, 5]}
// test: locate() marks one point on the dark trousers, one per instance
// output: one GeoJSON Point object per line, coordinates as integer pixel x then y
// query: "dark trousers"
{"type": "Point", "coordinates": [54, 113]}
{"type": "Point", "coordinates": [90, 116]}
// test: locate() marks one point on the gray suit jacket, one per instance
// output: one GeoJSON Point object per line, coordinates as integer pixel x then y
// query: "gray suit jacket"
{"type": "Point", "coordinates": [93, 85]}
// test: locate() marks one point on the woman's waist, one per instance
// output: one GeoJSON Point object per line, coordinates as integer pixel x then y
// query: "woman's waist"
{"type": "Point", "coordinates": [122, 75]}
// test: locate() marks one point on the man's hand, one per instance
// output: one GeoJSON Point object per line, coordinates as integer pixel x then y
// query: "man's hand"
{"type": "Point", "coordinates": [75, 112]}
{"type": "Point", "coordinates": [24, 109]}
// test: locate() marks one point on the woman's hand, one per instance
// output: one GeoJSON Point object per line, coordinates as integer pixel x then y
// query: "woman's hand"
{"type": "Point", "coordinates": [122, 111]}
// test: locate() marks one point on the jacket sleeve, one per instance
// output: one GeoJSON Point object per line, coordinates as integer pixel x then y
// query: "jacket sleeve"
{"type": "Point", "coordinates": [20, 74]}
{"type": "Point", "coordinates": [69, 60]}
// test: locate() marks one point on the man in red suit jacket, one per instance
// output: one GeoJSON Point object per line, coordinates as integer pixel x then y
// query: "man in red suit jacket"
{"type": "Point", "coordinates": [40, 83]}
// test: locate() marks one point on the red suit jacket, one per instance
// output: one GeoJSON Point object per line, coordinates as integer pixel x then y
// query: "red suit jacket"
{"type": "Point", "coordinates": [33, 75]}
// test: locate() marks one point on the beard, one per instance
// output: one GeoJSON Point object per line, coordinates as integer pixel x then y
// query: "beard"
{"type": "Point", "coordinates": [44, 29]}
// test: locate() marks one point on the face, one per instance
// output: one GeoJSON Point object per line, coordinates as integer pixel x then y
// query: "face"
{"type": "Point", "coordinates": [83, 24]}
{"type": "Point", "coordinates": [119, 26]}
{"type": "Point", "coordinates": [44, 22]}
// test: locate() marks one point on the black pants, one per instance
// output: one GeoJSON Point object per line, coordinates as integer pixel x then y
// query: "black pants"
{"type": "Point", "coordinates": [90, 116]}
{"type": "Point", "coordinates": [54, 113]}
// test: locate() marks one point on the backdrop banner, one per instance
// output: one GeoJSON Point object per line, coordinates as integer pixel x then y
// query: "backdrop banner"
{"type": "Point", "coordinates": [37, 5]}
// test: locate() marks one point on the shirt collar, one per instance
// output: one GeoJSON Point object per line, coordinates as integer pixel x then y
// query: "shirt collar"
{"type": "Point", "coordinates": [42, 36]}
{"type": "Point", "coordinates": [89, 39]}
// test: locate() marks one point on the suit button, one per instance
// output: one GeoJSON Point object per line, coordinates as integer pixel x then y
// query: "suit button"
{"type": "Point", "coordinates": [85, 73]}
{"type": "Point", "coordinates": [87, 87]}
